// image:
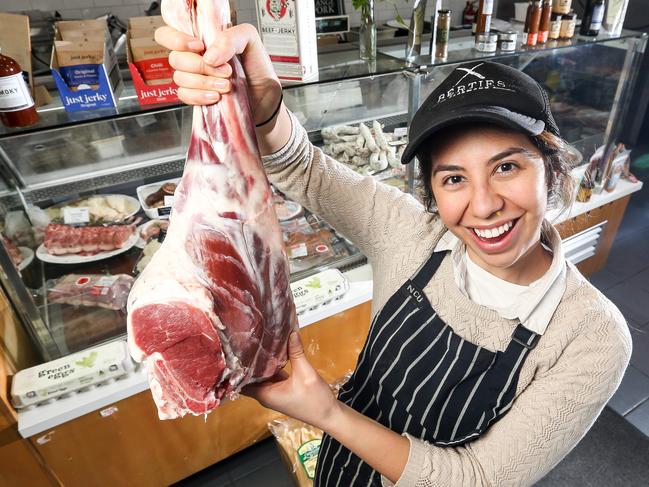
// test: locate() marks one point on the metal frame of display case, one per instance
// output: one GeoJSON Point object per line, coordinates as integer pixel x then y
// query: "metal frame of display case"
{"type": "Point", "coordinates": [338, 70]}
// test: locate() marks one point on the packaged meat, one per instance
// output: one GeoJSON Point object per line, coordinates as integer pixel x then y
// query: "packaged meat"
{"type": "Point", "coordinates": [212, 311]}
{"type": "Point", "coordinates": [105, 291]}
{"type": "Point", "coordinates": [66, 239]}
{"type": "Point", "coordinates": [307, 249]}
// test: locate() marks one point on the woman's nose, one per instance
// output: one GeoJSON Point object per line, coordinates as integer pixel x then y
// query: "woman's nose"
{"type": "Point", "coordinates": [485, 201]}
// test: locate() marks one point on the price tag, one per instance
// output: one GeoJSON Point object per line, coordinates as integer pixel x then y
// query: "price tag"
{"type": "Point", "coordinates": [298, 250]}
{"type": "Point", "coordinates": [169, 200]}
{"type": "Point", "coordinates": [72, 215]}
{"type": "Point", "coordinates": [401, 131]}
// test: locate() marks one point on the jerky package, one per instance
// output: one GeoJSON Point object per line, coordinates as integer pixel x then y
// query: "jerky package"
{"type": "Point", "coordinates": [79, 61]}
{"type": "Point", "coordinates": [152, 60]}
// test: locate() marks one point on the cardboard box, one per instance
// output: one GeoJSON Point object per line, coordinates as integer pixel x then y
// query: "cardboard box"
{"type": "Point", "coordinates": [148, 94]}
{"type": "Point", "coordinates": [288, 31]}
{"type": "Point", "coordinates": [87, 86]}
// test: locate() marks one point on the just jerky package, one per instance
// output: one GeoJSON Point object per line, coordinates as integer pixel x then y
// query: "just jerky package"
{"type": "Point", "coordinates": [84, 65]}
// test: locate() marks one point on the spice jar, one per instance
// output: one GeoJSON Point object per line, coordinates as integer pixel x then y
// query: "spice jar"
{"type": "Point", "coordinates": [443, 29]}
{"type": "Point", "coordinates": [568, 22]}
{"type": "Point", "coordinates": [507, 40]}
{"type": "Point", "coordinates": [555, 26]}
{"type": "Point", "coordinates": [486, 42]}
{"type": "Point", "coordinates": [561, 6]}
{"type": "Point", "coordinates": [16, 104]}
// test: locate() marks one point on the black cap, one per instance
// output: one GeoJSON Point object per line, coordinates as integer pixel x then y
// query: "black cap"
{"type": "Point", "coordinates": [482, 91]}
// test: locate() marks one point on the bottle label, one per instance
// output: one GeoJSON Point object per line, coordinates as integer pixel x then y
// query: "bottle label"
{"type": "Point", "coordinates": [14, 94]}
{"type": "Point", "coordinates": [532, 38]}
{"type": "Point", "coordinates": [488, 7]}
{"type": "Point", "coordinates": [555, 29]}
{"type": "Point", "coordinates": [598, 16]}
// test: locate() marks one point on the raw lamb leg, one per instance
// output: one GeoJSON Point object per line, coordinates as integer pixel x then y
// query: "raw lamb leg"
{"type": "Point", "coordinates": [213, 309]}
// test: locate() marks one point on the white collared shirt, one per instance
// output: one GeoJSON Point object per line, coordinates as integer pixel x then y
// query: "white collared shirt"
{"type": "Point", "coordinates": [533, 305]}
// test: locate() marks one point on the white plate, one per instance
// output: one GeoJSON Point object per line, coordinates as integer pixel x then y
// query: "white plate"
{"type": "Point", "coordinates": [133, 203]}
{"type": "Point", "coordinates": [146, 190]}
{"type": "Point", "coordinates": [27, 255]}
{"type": "Point", "coordinates": [140, 241]}
{"type": "Point", "coordinates": [45, 256]}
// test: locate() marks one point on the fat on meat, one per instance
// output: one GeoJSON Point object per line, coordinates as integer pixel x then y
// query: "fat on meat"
{"type": "Point", "coordinates": [213, 310]}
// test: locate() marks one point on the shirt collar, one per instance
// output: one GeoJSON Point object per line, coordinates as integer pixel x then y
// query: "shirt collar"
{"type": "Point", "coordinates": [541, 298]}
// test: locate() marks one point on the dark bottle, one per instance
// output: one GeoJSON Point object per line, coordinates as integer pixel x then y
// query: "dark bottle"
{"type": "Point", "coordinates": [16, 104]}
{"type": "Point", "coordinates": [528, 16]}
{"type": "Point", "coordinates": [535, 23]}
{"type": "Point", "coordinates": [593, 16]}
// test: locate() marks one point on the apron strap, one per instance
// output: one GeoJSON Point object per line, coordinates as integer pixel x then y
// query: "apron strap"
{"type": "Point", "coordinates": [523, 340]}
{"type": "Point", "coordinates": [427, 269]}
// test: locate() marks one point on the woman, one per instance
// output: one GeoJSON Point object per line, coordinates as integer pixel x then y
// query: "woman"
{"type": "Point", "coordinates": [488, 357]}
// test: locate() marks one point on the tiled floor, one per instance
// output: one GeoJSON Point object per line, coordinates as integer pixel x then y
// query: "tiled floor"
{"type": "Point", "coordinates": [625, 280]}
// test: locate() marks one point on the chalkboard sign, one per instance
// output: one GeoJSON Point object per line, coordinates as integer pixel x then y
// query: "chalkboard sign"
{"type": "Point", "coordinates": [328, 8]}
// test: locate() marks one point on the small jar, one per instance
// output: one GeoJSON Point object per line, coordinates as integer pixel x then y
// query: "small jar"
{"type": "Point", "coordinates": [555, 26]}
{"type": "Point", "coordinates": [486, 42]}
{"type": "Point", "coordinates": [561, 6]}
{"type": "Point", "coordinates": [507, 40]}
{"type": "Point", "coordinates": [568, 22]}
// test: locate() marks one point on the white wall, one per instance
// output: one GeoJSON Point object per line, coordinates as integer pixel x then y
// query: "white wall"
{"type": "Point", "coordinates": [74, 9]}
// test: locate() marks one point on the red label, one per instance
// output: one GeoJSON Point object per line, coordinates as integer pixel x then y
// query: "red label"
{"type": "Point", "coordinates": [97, 290]}
{"type": "Point", "coordinates": [155, 69]}
{"type": "Point", "coordinates": [276, 8]}
{"type": "Point", "coordinates": [82, 281]}
{"type": "Point", "coordinates": [543, 36]}
{"type": "Point", "coordinates": [321, 248]}
{"type": "Point", "coordinates": [285, 59]}
{"type": "Point", "coordinates": [531, 39]}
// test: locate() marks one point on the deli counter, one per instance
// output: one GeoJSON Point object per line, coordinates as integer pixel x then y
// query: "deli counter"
{"type": "Point", "coordinates": [114, 171]}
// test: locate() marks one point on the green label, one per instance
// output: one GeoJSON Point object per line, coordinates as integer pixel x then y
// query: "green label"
{"type": "Point", "coordinates": [88, 361]}
{"type": "Point", "coordinates": [314, 283]}
{"type": "Point", "coordinates": [308, 455]}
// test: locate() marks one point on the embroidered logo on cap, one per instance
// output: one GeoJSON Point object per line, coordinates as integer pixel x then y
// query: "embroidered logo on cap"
{"type": "Point", "coordinates": [482, 83]}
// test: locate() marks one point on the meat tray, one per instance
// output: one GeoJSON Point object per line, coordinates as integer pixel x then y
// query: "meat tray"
{"type": "Point", "coordinates": [148, 189]}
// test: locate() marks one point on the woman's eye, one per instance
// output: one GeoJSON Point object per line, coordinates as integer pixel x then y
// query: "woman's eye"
{"type": "Point", "coordinates": [506, 167]}
{"type": "Point", "coordinates": [452, 180]}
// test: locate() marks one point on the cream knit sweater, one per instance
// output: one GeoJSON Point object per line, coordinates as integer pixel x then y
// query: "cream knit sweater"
{"type": "Point", "coordinates": [565, 381]}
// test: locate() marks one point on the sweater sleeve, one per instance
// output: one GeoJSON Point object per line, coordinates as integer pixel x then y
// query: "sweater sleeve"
{"type": "Point", "coordinates": [546, 420]}
{"type": "Point", "coordinates": [365, 211]}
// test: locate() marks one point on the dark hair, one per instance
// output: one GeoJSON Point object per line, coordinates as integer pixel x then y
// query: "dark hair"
{"type": "Point", "coordinates": [558, 156]}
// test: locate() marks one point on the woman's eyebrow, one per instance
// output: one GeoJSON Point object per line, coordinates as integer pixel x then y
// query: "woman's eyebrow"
{"type": "Point", "coordinates": [509, 152]}
{"type": "Point", "coordinates": [446, 167]}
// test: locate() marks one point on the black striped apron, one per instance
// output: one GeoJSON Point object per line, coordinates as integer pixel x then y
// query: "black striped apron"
{"type": "Point", "coordinates": [416, 376]}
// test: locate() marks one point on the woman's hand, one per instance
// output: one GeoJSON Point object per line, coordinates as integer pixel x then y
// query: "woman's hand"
{"type": "Point", "coordinates": [303, 395]}
{"type": "Point", "coordinates": [202, 72]}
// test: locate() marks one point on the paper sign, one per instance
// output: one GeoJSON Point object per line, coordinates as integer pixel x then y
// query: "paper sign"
{"type": "Point", "coordinates": [72, 216]}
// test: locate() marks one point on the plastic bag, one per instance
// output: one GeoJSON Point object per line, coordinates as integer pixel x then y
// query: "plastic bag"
{"type": "Point", "coordinates": [300, 443]}
{"type": "Point", "coordinates": [40, 220]}
{"type": "Point", "coordinates": [104, 291]}
{"type": "Point", "coordinates": [18, 229]}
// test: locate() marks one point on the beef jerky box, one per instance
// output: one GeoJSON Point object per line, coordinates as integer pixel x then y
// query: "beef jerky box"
{"type": "Point", "coordinates": [287, 29]}
{"type": "Point", "coordinates": [84, 65]}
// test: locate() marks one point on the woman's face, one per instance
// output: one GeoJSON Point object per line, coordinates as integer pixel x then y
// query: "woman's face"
{"type": "Point", "coordinates": [490, 189]}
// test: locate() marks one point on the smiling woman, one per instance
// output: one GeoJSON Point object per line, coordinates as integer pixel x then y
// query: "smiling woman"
{"type": "Point", "coordinates": [489, 356]}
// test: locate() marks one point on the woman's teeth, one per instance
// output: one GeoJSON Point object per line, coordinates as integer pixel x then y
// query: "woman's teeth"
{"type": "Point", "coordinates": [494, 232]}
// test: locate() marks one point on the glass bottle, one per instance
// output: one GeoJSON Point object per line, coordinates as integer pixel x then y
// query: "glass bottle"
{"type": "Point", "coordinates": [544, 27]}
{"type": "Point", "coordinates": [535, 22]}
{"type": "Point", "coordinates": [483, 20]}
{"type": "Point", "coordinates": [367, 31]}
{"type": "Point", "coordinates": [593, 16]}
{"type": "Point", "coordinates": [17, 107]}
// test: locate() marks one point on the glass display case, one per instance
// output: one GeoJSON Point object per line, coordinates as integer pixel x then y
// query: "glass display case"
{"type": "Point", "coordinates": [99, 172]}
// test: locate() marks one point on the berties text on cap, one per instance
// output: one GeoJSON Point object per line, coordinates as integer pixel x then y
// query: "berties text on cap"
{"type": "Point", "coordinates": [482, 91]}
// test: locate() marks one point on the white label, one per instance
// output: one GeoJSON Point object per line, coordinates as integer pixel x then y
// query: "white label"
{"type": "Point", "coordinates": [488, 7]}
{"type": "Point", "coordinates": [14, 94]}
{"type": "Point", "coordinates": [103, 285]}
{"type": "Point", "coordinates": [401, 131]}
{"type": "Point", "coordinates": [75, 215]}
{"type": "Point", "coordinates": [298, 251]}
{"type": "Point", "coordinates": [169, 200]}
{"type": "Point", "coordinates": [146, 120]}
